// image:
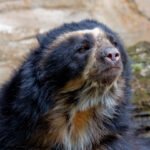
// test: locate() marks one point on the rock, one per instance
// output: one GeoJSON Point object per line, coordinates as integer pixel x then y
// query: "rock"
{"type": "Point", "coordinates": [142, 7]}
{"type": "Point", "coordinates": [125, 16]}
{"type": "Point", "coordinates": [140, 55]}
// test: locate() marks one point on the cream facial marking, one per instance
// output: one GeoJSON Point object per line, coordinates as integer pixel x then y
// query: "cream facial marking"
{"type": "Point", "coordinates": [96, 32]}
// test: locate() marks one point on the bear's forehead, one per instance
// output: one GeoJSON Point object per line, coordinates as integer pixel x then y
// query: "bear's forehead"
{"type": "Point", "coordinates": [95, 33]}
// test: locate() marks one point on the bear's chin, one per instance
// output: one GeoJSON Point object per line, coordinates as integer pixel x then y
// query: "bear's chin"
{"type": "Point", "coordinates": [108, 76]}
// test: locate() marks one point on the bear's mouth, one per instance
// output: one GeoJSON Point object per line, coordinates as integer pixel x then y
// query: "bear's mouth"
{"type": "Point", "coordinates": [110, 74]}
{"type": "Point", "coordinates": [111, 69]}
{"type": "Point", "coordinates": [107, 75]}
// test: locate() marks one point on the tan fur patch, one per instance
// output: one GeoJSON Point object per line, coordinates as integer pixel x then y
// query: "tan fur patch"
{"type": "Point", "coordinates": [73, 85]}
{"type": "Point", "coordinates": [51, 131]}
{"type": "Point", "coordinates": [80, 120]}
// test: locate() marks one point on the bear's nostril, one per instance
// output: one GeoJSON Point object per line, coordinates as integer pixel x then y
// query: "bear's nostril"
{"type": "Point", "coordinates": [117, 55]}
{"type": "Point", "coordinates": [109, 55]}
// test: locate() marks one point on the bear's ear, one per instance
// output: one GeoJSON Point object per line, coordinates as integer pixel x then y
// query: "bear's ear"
{"type": "Point", "coordinates": [41, 38]}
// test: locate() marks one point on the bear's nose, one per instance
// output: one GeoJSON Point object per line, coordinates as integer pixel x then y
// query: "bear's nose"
{"type": "Point", "coordinates": [111, 55]}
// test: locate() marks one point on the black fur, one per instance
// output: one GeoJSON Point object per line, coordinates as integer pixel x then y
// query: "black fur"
{"type": "Point", "coordinates": [29, 93]}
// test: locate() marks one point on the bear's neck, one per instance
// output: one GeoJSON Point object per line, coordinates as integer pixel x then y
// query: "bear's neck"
{"type": "Point", "coordinates": [80, 125]}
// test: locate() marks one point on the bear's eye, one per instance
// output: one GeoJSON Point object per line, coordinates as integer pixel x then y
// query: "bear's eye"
{"type": "Point", "coordinates": [113, 41]}
{"type": "Point", "coordinates": [85, 46]}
